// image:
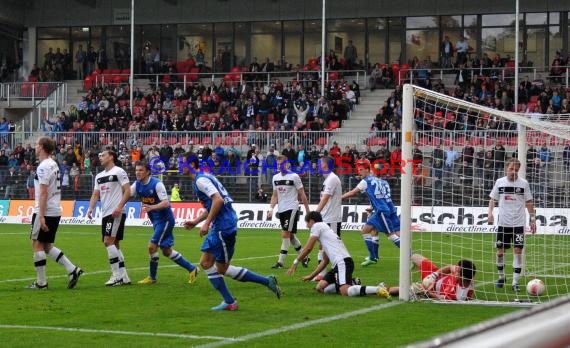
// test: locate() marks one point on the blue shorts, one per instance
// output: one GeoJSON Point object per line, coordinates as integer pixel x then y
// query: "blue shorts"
{"type": "Point", "coordinates": [385, 223]}
{"type": "Point", "coordinates": [220, 244]}
{"type": "Point", "coordinates": [162, 235]}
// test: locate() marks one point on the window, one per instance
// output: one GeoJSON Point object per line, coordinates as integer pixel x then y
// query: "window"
{"type": "Point", "coordinates": [422, 22]}
{"type": "Point", "coordinates": [266, 41]}
{"type": "Point", "coordinates": [193, 38]}
{"type": "Point", "coordinates": [498, 20]}
{"type": "Point", "coordinates": [377, 29]}
{"type": "Point", "coordinates": [292, 42]}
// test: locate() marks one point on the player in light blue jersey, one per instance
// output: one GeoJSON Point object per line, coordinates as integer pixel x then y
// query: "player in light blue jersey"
{"type": "Point", "coordinates": [383, 217]}
{"type": "Point", "coordinates": [220, 229]}
{"type": "Point", "coordinates": [155, 201]}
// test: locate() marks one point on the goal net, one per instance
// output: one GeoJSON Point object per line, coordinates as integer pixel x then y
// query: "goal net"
{"type": "Point", "coordinates": [465, 147]}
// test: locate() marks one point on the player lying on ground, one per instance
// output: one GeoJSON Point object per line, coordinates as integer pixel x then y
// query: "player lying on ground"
{"type": "Point", "coordinates": [339, 278]}
{"type": "Point", "coordinates": [452, 282]}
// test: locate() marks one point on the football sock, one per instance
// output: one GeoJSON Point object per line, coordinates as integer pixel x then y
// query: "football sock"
{"type": "Point", "coordinates": [361, 290]}
{"type": "Point", "coordinates": [285, 244]}
{"type": "Point", "coordinates": [58, 256]}
{"type": "Point", "coordinates": [369, 245]}
{"type": "Point", "coordinates": [320, 259]}
{"type": "Point", "coordinates": [40, 264]}
{"type": "Point", "coordinates": [501, 266]}
{"type": "Point", "coordinates": [153, 266]}
{"type": "Point", "coordinates": [122, 268]}
{"type": "Point", "coordinates": [375, 246]}
{"type": "Point", "coordinates": [395, 239]}
{"type": "Point", "coordinates": [330, 289]}
{"type": "Point", "coordinates": [245, 275]}
{"type": "Point", "coordinates": [114, 259]}
{"type": "Point", "coordinates": [219, 284]}
{"type": "Point", "coordinates": [517, 268]}
{"type": "Point", "coordinates": [296, 243]}
{"type": "Point", "coordinates": [181, 261]}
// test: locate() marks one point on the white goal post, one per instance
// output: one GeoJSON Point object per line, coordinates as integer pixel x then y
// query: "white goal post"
{"type": "Point", "coordinates": [444, 213]}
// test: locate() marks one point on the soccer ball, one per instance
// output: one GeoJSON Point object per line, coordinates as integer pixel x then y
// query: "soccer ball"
{"type": "Point", "coordinates": [535, 287]}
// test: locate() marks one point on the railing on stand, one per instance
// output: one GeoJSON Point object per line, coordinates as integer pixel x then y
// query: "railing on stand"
{"type": "Point", "coordinates": [255, 79]}
{"type": "Point", "coordinates": [547, 75]}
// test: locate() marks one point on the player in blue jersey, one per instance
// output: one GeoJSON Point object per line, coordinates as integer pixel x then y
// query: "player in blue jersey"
{"type": "Point", "coordinates": [383, 217]}
{"type": "Point", "coordinates": [156, 205]}
{"type": "Point", "coordinates": [220, 229]}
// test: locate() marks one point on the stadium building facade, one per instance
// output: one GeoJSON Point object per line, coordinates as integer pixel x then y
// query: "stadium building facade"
{"type": "Point", "coordinates": [231, 32]}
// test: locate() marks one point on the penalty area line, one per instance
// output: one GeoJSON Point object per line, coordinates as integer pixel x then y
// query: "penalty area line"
{"type": "Point", "coordinates": [115, 332]}
{"type": "Point", "coordinates": [302, 325]}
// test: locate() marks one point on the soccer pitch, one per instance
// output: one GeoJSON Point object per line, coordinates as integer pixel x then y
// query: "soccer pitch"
{"type": "Point", "coordinates": [173, 312]}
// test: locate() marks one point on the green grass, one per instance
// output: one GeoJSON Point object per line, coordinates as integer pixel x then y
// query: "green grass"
{"type": "Point", "coordinates": [172, 306]}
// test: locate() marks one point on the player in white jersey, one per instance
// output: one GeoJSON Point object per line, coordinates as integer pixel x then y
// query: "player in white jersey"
{"type": "Point", "coordinates": [287, 190]}
{"type": "Point", "coordinates": [47, 213]}
{"type": "Point", "coordinates": [330, 205]}
{"type": "Point", "coordinates": [339, 278]}
{"type": "Point", "coordinates": [513, 194]}
{"type": "Point", "coordinates": [113, 189]}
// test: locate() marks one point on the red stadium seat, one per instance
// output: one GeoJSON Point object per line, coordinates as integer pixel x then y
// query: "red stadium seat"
{"type": "Point", "coordinates": [321, 141]}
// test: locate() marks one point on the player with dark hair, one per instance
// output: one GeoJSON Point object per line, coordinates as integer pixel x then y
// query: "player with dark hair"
{"type": "Point", "coordinates": [156, 205]}
{"type": "Point", "coordinates": [513, 195]}
{"type": "Point", "coordinates": [45, 220]}
{"type": "Point", "coordinates": [451, 282]}
{"type": "Point", "coordinates": [112, 187]}
{"type": "Point", "coordinates": [339, 278]}
{"type": "Point", "coordinates": [220, 229]}
{"type": "Point", "coordinates": [384, 217]}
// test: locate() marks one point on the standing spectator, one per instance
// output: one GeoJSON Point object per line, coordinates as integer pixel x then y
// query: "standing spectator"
{"type": "Point", "coordinates": [12, 181]}
{"type": "Point", "coordinates": [270, 164]}
{"type": "Point", "coordinates": [30, 182]}
{"type": "Point", "coordinates": [350, 55]}
{"type": "Point", "coordinates": [499, 156]}
{"type": "Point", "coordinates": [438, 160]}
{"type": "Point", "coordinates": [290, 153]}
{"type": "Point", "coordinates": [451, 156]}
{"type": "Point", "coordinates": [91, 60]}
{"type": "Point", "coordinates": [102, 59]}
{"type": "Point", "coordinates": [446, 51]}
{"type": "Point", "coordinates": [462, 48]}
{"type": "Point", "coordinates": [566, 157]}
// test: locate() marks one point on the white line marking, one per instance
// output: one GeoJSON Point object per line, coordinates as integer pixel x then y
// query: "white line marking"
{"type": "Point", "coordinates": [130, 269]}
{"type": "Point", "coordinates": [114, 332]}
{"type": "Point", "coordinates": [302, 325]}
